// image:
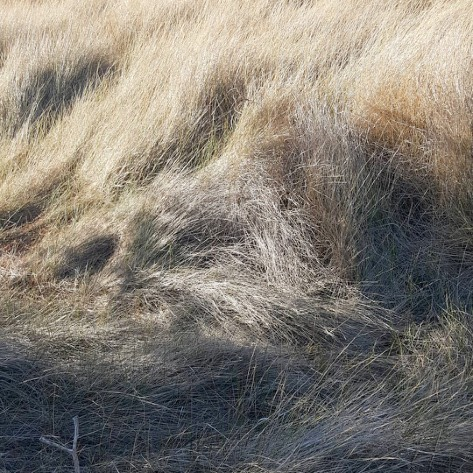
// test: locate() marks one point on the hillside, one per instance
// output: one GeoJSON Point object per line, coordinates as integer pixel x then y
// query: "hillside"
{"type": "Point", "coordinates": [236, 236]}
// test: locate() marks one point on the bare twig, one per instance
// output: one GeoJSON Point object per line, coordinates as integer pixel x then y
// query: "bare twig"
{"type": "Point", "coordinates": [55, 445]}
{"type": "Point", "coordinates": [72, 451]}
{"type": "Point", "coordinates": [75, 457]}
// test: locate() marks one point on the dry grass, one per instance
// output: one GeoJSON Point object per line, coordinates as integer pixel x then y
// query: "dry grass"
{"type": "Point", "coordinates": [237, 236]}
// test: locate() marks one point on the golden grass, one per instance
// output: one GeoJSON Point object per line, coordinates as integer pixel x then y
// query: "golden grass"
{"type": "Point", "coordinates": [237, 236]}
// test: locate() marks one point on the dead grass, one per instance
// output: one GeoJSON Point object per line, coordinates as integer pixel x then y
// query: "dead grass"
{"type": "Point", "coordinates": [236, 236]}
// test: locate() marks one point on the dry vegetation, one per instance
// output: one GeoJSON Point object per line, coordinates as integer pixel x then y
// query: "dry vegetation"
{"type": "Point", "coordinates": [237, 235]}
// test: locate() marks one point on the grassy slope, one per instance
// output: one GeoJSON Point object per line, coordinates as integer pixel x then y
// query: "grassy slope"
{"type": "Point", "coordinates": [237, 236]}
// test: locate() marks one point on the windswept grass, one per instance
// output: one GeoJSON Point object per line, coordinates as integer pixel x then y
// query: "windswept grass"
{"type": "Point", "coordinates": [237, 236]}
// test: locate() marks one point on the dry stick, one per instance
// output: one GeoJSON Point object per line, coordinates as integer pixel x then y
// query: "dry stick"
{"type": "Point", "coordinates": [72, 451]}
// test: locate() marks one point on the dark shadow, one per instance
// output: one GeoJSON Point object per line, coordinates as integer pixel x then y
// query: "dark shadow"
{"type": "Point", "coordinates": [400, 265]}
{"type": "Point", "coordinates": [53, 91]}
{"type": "Point", "coordinates": [15, 218]}
{"type": "Point", "coordinates": [89, 256]}
{"type": "Point", "coordinates": [192, 395]}
{"type": "Point", "coordinates": [196, 144]}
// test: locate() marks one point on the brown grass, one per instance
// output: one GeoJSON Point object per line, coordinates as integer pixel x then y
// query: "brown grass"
{"type": "Point", "coordinates": [237, 236]}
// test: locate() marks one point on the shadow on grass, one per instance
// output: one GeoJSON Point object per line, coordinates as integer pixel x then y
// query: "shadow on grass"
{"type": "Point", "coordinates": [91, 255]}
{"type": "Point", "coordinates": [169, 406]}
{"type": "Point", "coordinates": [48, 92]}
